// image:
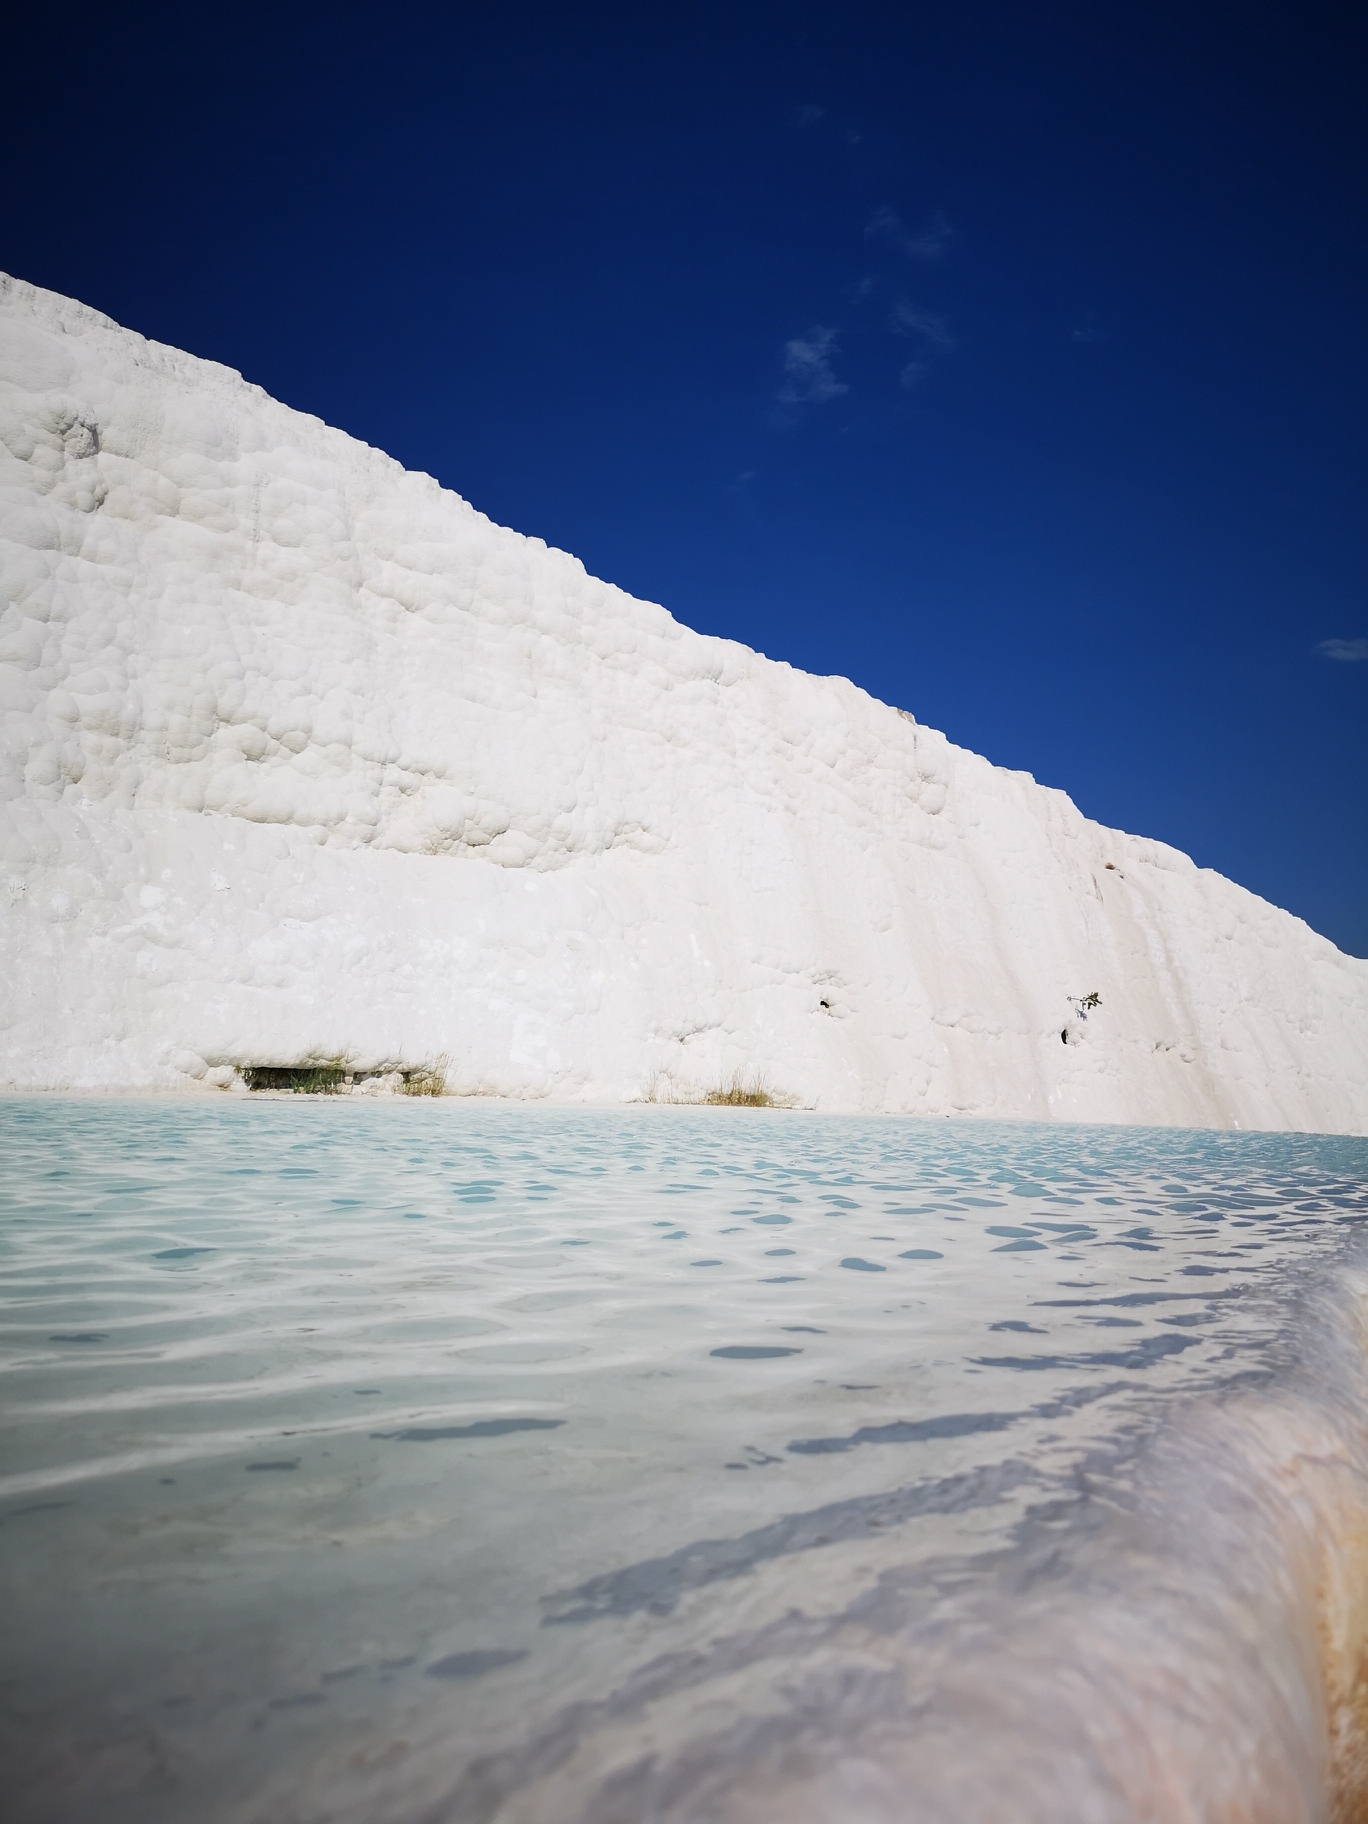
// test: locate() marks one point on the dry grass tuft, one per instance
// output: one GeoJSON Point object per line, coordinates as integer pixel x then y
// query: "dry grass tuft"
{"type": "Point", "coordinates": [426, 1079]}
{"type": "Point", "coordinates": [740, 1092]}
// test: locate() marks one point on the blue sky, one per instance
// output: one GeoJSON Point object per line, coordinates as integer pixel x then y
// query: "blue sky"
{"type": "Point", "coordinates": [1009, 360]}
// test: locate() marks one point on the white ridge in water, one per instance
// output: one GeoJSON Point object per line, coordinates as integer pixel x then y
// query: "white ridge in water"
{"type": "Point", "coordinates": [306, 760]}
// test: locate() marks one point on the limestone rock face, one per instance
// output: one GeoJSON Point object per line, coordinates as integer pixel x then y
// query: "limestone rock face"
{"type": "Point", "coordinates": [303, 758]}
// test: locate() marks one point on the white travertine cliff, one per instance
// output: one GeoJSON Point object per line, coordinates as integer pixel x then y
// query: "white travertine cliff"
{"type": "Point", "coordinates": [303, 758]}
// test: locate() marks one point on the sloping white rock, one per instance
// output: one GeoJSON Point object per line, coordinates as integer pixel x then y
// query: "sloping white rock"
{"type": "Point", "coordinates": [303, 757]}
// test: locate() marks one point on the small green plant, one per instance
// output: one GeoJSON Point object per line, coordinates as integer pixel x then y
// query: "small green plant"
{"type": "Point", "coordinates": [426, 1079]}
{"type": "Point", "coordinates": [1085, 1003]}
{"type": "Point", "coordinates": [739, 1092]}
{"type": "Point", "coordinates": [314, 1077]}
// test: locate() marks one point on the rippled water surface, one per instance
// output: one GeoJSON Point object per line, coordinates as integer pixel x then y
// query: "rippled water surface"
{"type": "Point", "coordinates": [463, 1461]}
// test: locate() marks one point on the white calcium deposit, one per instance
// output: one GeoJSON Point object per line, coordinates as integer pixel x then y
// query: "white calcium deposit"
{"type": "Point", "coordinates": [305, 759]}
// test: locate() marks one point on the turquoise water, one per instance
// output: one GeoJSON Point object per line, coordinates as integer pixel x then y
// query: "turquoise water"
{"type": "Point", "coordinates": [472, 1461]}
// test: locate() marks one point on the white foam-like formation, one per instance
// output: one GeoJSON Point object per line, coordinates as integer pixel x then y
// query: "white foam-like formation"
{"type": "Point", "coordinates": [305, 758]}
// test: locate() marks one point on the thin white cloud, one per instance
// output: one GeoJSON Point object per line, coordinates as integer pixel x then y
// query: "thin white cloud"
{"type": "Point", "coordinates": [808, 115]}
{"type": "Point", "coordinates": [928, 244]}
{"type": "Point", "coordinates": [930, 334]}
{"type": "Point", "coordinates": [930, 329]}
{"type": "Point", "coordinates": [808, 375]}
{"type": "Point", "coordinates": [1345, 652]}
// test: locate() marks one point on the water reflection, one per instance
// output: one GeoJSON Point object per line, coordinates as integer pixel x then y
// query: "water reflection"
{"type": "Point", "coordinates": [769, 1518]}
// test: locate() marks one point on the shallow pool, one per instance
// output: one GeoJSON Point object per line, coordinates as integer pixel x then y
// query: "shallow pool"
{"type": "Point", "coordinates": [470, 1461]}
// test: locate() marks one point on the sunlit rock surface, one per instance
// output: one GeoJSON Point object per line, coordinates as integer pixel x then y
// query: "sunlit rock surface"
{"type": "Point", "coordinates": [305, 759]}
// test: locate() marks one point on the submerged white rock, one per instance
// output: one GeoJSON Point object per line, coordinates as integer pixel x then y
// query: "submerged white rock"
{"type": "Point", "coordinates": [304, 758]}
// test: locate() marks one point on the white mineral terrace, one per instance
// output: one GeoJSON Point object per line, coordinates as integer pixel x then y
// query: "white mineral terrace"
{"type": "Point", "coordinates": [305, 759]}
